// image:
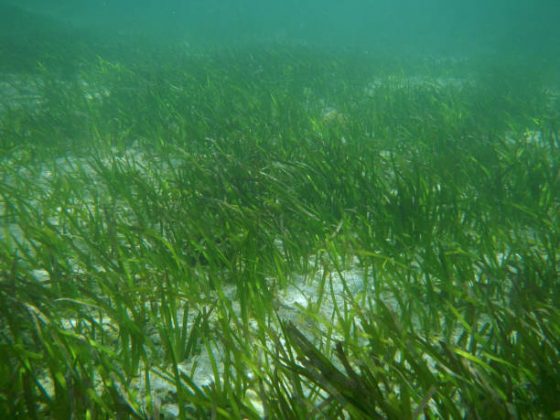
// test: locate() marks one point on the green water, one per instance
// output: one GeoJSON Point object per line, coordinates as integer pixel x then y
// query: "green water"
{"type": "Point", "coordinates": [279, 210]}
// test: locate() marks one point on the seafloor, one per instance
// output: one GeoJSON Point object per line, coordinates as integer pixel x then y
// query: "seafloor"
{"type": "Point", "coordinates": [279, 232]}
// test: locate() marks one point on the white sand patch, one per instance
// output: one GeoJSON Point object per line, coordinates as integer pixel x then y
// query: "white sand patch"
{"type": "Point", "coordinates": [27, 92]}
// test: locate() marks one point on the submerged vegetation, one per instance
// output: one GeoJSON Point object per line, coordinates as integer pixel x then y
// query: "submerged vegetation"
{"type": "Point", "coordinates": [280, 233]}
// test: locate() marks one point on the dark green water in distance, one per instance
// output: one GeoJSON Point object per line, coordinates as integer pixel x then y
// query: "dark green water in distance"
{"type": "Point", "coordinates": [407, 26]}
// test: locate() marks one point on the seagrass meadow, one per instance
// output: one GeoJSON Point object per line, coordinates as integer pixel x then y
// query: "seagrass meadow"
{"type": "Point", "coordinates": [276, 231]}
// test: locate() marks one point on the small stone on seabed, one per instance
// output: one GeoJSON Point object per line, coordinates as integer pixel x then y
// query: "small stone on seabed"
{"type": "Point", "coordinates": [40, 275]}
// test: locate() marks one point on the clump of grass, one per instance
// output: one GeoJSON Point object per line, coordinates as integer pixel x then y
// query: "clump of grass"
{"type": "Point", "coordinates": [155, 215]}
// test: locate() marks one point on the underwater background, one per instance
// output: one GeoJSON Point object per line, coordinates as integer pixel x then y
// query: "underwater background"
{"type": "Point", "coordinates": [401, 26]}
{"type": "Point", "coordinates": [307, 209]}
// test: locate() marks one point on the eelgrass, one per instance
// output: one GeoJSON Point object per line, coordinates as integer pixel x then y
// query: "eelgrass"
{"type": "Point", "coordinates": [153, 215]}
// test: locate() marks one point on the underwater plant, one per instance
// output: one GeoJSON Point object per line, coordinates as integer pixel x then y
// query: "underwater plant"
{"type": "Point", "coordinates": [332, 237]}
